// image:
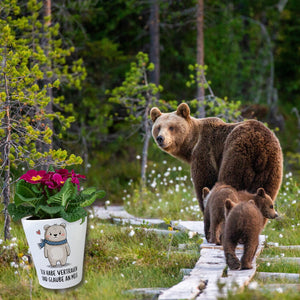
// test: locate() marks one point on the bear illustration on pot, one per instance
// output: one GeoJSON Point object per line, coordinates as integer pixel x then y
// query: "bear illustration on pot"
{"type": "Point", "coordinates": [55, 244]}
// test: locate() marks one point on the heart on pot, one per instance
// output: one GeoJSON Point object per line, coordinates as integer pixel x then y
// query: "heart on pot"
{"type": "Point", "coordinates": [38, 232]}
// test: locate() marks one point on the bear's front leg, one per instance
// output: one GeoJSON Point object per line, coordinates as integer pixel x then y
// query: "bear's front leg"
{"type": "Point", "coordinates": [203, 175]}
{"type": "Point", "coordinates": [207, 224]}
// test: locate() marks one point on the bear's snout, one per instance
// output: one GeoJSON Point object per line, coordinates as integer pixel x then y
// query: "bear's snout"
{"type": "Point", "coordinates": [160, 140]}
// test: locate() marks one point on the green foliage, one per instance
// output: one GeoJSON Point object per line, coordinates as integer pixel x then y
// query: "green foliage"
{"type": "Point", "coordinates": [32, 67]}
{"type": "Point", "coordinates": [39, 201]}
{"type": "Point", "coordinates": [52, 194]}
{"type": "Point", "coordinates": [136, 94]}
{"type": "Point", "coordinates": [227, 110]}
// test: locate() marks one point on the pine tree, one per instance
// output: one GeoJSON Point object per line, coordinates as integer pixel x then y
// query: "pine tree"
{"type": "Point", "coordinates": [24, 121]}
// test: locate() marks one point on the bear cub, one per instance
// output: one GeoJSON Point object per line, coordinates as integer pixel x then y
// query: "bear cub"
{"type": "Point", "coordinates": [214, 212]}
{"type": "Point", "coordinates": [244, 222]}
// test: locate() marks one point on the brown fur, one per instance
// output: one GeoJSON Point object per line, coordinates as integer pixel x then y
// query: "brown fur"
{"type": "Point", "coordinates": [244, 222]}
{"type": "Point", "coordinates": [245, 155]}
{"type": "Point", "coordinates": [214, 213]}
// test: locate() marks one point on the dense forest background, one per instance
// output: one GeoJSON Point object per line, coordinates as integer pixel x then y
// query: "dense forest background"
{"type": "Point", "coordinates": [252, 53]}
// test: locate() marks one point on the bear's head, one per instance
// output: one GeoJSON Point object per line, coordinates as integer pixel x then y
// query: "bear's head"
{"type": "Point", "coordinates": [265, 204]}
{"type": "Point", "coordinates": [55, 233]}
{"type": "Point", "coordinates": [171, 129]}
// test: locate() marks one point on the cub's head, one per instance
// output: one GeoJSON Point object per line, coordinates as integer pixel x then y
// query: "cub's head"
{"type": "Point", "coordinates": [265, 203]}
{"type": "Point", "coordinates": [55, 233]}
{"type": "Point", "coordinates": [170, 129]}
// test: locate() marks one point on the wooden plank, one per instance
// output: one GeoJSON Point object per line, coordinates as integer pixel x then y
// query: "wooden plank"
{"type": "Point", "coordinates": [194, 226]}
{"type": "Point", "coordinates": [270, 275]}
{"type": "Point", "coordinates": [282, 259]}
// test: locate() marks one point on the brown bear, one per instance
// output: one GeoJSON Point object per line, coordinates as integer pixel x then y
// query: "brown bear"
{"type": "Point", "coordinates": [214, 212]}
{"type": "Point", "coordinates": [244, 222]}
{"type": "Point", "coordinates": [246, 155]}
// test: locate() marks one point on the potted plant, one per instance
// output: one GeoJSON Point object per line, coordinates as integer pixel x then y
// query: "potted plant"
{"type": "Point", "coordinates": [51, 207]}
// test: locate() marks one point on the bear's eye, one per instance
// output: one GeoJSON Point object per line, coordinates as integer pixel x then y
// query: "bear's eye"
{"type": "Point", "coordinates": [171, 128]}
{"type": "Point", "coordinates": [59, 233]}
{"type": "Point", "coordinates": [271, 206]}
{"type": "Point", "coordinates": [50, 233]}
{"type": "Point", "coordinates": [158, 128]}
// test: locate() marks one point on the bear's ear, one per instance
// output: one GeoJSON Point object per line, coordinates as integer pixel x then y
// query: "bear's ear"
{"type": "Point", "coordinates": [261, 192]}
{"type": "Point", "coordinates": [183, 111]}
{"type": "Point", "coordinates": [252, 202]}
{"type": "Point", "coordinates": [205, 192]}
{"type": "Point", "coordinates": [155, 113]}
{"type": "Point", "coordinates": [229, 204]}
{"type": "Point", "coordinates": [46, 227]}
{"type": "Point", "coordinates": [63, 225]}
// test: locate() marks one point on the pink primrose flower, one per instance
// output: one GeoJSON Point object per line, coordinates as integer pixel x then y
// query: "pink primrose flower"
{"type": "Point", "coordinates": [33, 176]}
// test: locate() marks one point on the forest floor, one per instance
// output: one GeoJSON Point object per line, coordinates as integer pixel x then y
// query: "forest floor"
{"type": "Point", "coordinates": [122, 257]}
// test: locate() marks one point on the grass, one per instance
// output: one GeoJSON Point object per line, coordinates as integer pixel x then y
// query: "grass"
{"type": "Point", "coordinates": [117, 259]}
{"type": "Point", "coordinates": [120, 258]}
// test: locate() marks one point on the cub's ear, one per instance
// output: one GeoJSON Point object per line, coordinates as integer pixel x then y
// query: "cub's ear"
{"type": "Point", "coordinates": [63, 225]}
{"type": "Point", "coordinates": [261, 192]}
{"type": "Point", "coordinates": [155, 113]}
{"type": "Point", "coordinates": [205, 192]}
{"type": "Point", "coordinates": [183, 111]}
{"type": "Point", "coordinates": [229, 204]}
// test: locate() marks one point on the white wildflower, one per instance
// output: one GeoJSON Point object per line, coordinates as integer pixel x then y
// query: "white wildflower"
{"type": "Point", "coordinates": [138, 157]}
{"type": "Point", "coordinates": [253, 285]}
{"type": "Point", "coordinates": [192, 234]}
{"type": "Point", "coordinates": [131, 233]}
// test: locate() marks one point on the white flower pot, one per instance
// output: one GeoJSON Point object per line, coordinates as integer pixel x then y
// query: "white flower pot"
{"type": "Point", "coordinates": [57, 249]}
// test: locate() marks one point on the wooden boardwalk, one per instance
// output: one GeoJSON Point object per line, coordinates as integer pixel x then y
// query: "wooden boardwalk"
{"type": "Point", "coordinates": [207, 280]}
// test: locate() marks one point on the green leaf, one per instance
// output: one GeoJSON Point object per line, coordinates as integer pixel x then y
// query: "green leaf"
{"type": "Point", "coordinates": [67, 192]}
{"type": "Point", "coordinates": [90, 201]}
{"type": "Point", "coordinates": [51, 210]}
{"type": "Point", "coordinates": [28, 193]}
{"type": "Point", "coordinates": [17, 213]}
{"type": "Point", "coordinates": [88, 191]}
{"type": "Point", "coordinates": [76, 214]}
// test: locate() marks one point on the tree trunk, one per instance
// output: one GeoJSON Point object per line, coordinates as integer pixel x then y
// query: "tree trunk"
{"type": "Point", "coordinates": [145, 152]}
{"type": "Point", "coordinates": [154, 41]}
{"type": "Point", "coordinates": [200, 58]}
{"type": "Point", "coordinates": [6, 164]}
{"type": "Point", "coordinates": [47, 80]}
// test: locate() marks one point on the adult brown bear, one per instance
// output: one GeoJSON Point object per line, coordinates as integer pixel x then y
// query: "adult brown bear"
{"type": "Point", "coordinates": [246, 155]}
